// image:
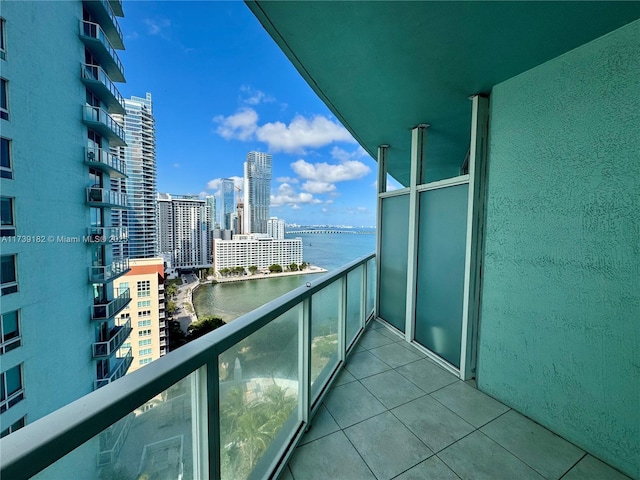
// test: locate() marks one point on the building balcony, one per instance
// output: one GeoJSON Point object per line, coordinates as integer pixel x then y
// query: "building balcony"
{"type": "Point", "coordinates": [94, 37]}
{"type": "Point", "coordinates": [307, 386]}
{"type": "Point", "coordinates": [121, 365]}
{"type": "Point", "coordinates": [107, 273]}
{"type": "Point", "coordinates": [117, 336]}
{"type": "Point", "coordinates": [108, 234]}
{"type": "Point", "coordinates": [105, 161]}
{"type": "Point", "coordinates": [102, 197]}
{"type": "Point", "coordinates": [96, 80]}
{"type": "Point", "coordinates": [102, 11]}
{"type": "Point", "coordinates": [106, 309]}
{"type": "Point", "coordinates": [98, 119]}
{"type": "Point", "coordinates": [116, 5]}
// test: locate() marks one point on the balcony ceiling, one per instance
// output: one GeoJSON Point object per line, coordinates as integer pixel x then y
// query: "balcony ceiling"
{"type": "Point", "coordinates": [383, 67]}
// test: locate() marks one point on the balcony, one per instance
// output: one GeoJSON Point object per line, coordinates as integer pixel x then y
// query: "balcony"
{"type": "Point", "coordinates": [107, 273]}
{"type": "Point", "coordinates": [108, 234]}
{"type": "Point", "coordinates": [98, 119]}
{"type": "Point", "coordinates": [105, 161]}
{"type": "Point", "coordinates": [110, 308]}
{"type": "Point", "coordinates": [117, 336]}
{"type": "Point", "coordinates": [102, 197]}
{"type": "Point", "coordinates": [116, 5]}
{"type": "Point", "coordinates": [97, 41]}
{"type": "Point", "coordinates": [102, 11]}
{"type": "Point", "coordinates": [307, 386]}
{"type": "Point", "coordinates": [96, 79]}
{"type": "Point", "coordinates": [121, 365]}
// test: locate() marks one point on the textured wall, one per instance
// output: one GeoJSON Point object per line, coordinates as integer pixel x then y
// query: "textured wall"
{"type": "Point", "coordinates": [560, 324]}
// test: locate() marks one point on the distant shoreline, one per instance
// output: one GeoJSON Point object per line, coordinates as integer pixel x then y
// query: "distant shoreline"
{"type": "Point", "coordinates": [259, 276]}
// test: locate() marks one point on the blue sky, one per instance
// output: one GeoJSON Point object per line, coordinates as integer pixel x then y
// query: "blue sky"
{"type": "Point", "coordinates": [220, 88]}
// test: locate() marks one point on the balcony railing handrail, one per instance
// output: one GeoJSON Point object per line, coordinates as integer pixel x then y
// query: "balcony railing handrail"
{"type": "Point", "coordinates": [110, 234]}
{"type": "Point", "coordinates": [100, 75]}
{"type": "Point", "coordinates": [112, 306]}
{"type": "Point", "coordinates": [104, 117]}
{"type": "Point", "coordinates": [38, 445]}
{"type": "Point", "coordinates": [102, 37]}
{"type": "Point", "coordinates": [119, 333]}
{"type": "Point", "coordinates": [113, 17]}
{"type": "Point", "coordinates": [107, 196]}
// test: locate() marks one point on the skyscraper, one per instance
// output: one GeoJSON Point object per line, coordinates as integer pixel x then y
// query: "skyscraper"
{"type": "Point", "coordinates": [184, 225]}
{"type": "Point", "coordinates": [140, 184]}
{"type": "Point", "coordinates": [59, 337]}
{"type": "Point", "coordinates": [227, 197]}
{"type": "Point", "coordinates": [257, 191]}
{"type": "Point", "coordinates": [275, 228]}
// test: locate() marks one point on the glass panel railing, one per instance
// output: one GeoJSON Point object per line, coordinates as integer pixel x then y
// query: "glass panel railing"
{"type": "Point", "coordinates": [94, 30]}
{"type": "Point", "coordinates": [325, 313]}
{"type": "Point", "coordinates": [264, 370]}
{"type": "Point", "coordinates": [108, 234]}
{"type": "Point", "coordinates": [259, 395]}
{"type": "Point", "coordinates": [105, 273]}
{"type": "Point", "coordinates": [104, 196]}
{"type": "Point", "coordinates": [371, 286]}
{"type": "Point", "coordinates": [105, 309]}
{"type": "Point", "coordinates": [100, 115]}
{"type": "Point", "coordinates": [154, 441]}
{"type": "Point", "coordinates": [103, 158]}
{"type": "Point", "coordinates": [117, 336]}
{"type": "Point", "coordinates": [95, 73]}
{"type": "Point", "coordinates": [354, 303]}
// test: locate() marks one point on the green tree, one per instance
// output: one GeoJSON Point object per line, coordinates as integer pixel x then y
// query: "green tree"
{"type": "Point", "coordinates": [172, 290]}
{"type": "Point", "coordinates": [171, 308]}
{"type": "Point", "coordinates": [253, 269]}
{"type": "Point", "coordinates": [224, 271]}
{"type": "Point", "coordinates": [275, 268]}
{"type": "Point", "coordinates": [304, 265]}
{"type": "Point", "coordinates": [202, 327]}
{"type": "Point", "coordinates": [293, 267]}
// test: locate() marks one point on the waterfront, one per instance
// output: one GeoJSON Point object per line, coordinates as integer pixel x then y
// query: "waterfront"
{"type": "Point", "coordinates": [231, 300]}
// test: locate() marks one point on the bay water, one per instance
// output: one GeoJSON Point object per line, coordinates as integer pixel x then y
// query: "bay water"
{"type": "Point", "coordinates": [327, 250]}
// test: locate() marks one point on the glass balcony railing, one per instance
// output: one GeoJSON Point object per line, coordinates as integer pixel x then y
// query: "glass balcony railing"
{"type": "Point", "coordinates": [102, 197]}
{"type": "Point", "coordinates": [105, 161]}
{"type": "Point", "coordinates": [122, 364]}
{"type": "Point", "coordinates": [99, 83]}
{"type": "Point", "coordinates": [102, 12]}
{"type": "Point", "coordinates": [95, 39]}
{"type": "Point", "coordinates": [117, 336]}
{"type": "Point", "coordinates": [98, 119]}
{"type": "Point", "coordinates": [108, 235]}
{"type": "Point", "coordinates": [117, 7]}
{"type": "Point", "coordinates": [106, 309]}
{"type": "Point", "coordinates": [106, 273]}
{"type": "Point", "coordinates": [231, 405]}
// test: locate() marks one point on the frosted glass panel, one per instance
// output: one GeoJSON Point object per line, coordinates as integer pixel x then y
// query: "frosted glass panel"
{"type": "Point", "coordinates": [393, 260]}
{"type": "Point", "coordinates": [441, 255]}
{"type": "Point", "coordinates": [354, 303]}
{"type": "Point", "coordinates": [324, 335]}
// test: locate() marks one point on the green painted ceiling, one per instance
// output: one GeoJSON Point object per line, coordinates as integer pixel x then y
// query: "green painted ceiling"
{"type": "Point", "coordinates": [383, 67]}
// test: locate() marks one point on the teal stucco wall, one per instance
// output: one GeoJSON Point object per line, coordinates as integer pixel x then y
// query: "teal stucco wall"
{"type": "Point", "coordinates": [560, 317]}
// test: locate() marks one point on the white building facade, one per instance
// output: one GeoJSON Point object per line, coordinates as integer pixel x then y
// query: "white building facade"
{"type": "Point", "coordinates": [262, 252]}
{"type": "Point", "coordinates": [275, 228]}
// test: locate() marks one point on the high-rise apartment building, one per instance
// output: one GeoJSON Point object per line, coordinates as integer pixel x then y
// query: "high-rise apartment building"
{"type": "Point", "coordinates": [140, 183]}
{"type": "Point", "coordinates": [60, 339]}
{"type": "Point", "coordinates": [227, 197]}
{"type": "Point", "coordinates": [184, 223]}
{"type": "Point", "coordinates": [213, 211]}
{"type": "Point", "coordinates": [255, 250]}
{"type": "Point", "coordinates": [257, 191]}
{"type": "Point", "coordinates": [146, 311]}
{"type": "Point", "coordinates": [275, 228]}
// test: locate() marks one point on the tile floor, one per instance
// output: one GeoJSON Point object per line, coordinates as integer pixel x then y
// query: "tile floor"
{"type": "Point", "coordinates": [394, 414]}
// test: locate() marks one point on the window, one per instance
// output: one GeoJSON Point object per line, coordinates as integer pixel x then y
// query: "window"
{"type": "Point", "coordinates": [144, 333]}
{"type": "Point", "coordinates": [3, 47]}
{"type": "Point", "coordinates": [4, 104]}
{"type": "Point", "coordinates": [144, 303]}
{"type": "Point", "coordinates": [144, 313]}
{"type": "Point", "coordinates": [11, 391]}
{"type": "Point", "coordinates": [10, 331]}
{"type": "Point", "coordinates": [144, 343]}
{"type": "Point", "coordinates": [8, 279]}
{"type": "Point", "coordinates": [144, 288]}
{"type": "Point", "coordinates": [13, 427]}
{"type": "Point", "coordinates": [145, 351]}
{"type": "Point", "coordinates": [144, 361]}
{"type": "Point", "coordinates": [144, 323]}
{"type": "Point", "coordinates": [5, 158]}
{"type": "Point", "coordinates": [8, 228]}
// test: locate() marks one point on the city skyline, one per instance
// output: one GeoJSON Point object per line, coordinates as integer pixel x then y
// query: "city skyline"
{"type": "Point", "coordinates": [218, 109]}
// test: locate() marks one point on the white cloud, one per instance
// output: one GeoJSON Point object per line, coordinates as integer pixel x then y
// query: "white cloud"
{"type": "Point", "coordinates": [176, 165]}
{"type": "Point", "coordinates": [324, 172]}
{"type": "Point", "coordinates": [313, 186]}
{"type": "Point", "coordinates": [302, 133]}
{"type": "Point", "coordinates": [342, 155]}
{"type": "Point", "coordinates": [295, 207]}
{"type": "Point", "coordinates": [215, 183]}
{"type": "Point", "coordinates": [156, 26]}
{"type": "Point", "coordinates": [255, 97]}
{"type": "Point", "coordinates": [286, 195]}
{"type": "Point", "coordinates": [241, 125]}
{"type": "Point", "coordinates": [287, 180]}
{"type": "Point", "coordinates": [362, 209]}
